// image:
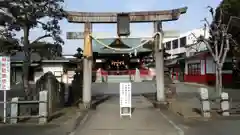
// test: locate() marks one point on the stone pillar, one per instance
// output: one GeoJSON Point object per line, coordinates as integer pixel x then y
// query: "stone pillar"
{"type": "Point", "coordinates": [87, 66]}
{"type": "Point", "coordinates": [99, 75]}
{"type": "Point", "coordinates": [14, 110]}
{"type": "Point", "coordinates": [43, 107]}
{"type": "Point", "coordinates": [159, 61]}
{"type": "Point", "coordinates": [225, 106]}
{"type": "Point", "coordinates": [137, 77]}
{"type": "Point", "coordinates": [205, 102]}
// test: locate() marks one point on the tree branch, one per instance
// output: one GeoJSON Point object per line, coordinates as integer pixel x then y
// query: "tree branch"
{"type": "Point", "coordinates": [41, 23]}
{"type": "Point", "coordinates": [40, 38]}
{"type": "Point", "coordinates": [225, 51]}
{"type": "Point", "coordinates": [209, 48]}
{"type": "Point", "coordinates": [221, 48]}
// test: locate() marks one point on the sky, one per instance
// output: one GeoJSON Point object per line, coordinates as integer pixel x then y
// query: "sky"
{"type": "Point", "coordinates": [197, 11]}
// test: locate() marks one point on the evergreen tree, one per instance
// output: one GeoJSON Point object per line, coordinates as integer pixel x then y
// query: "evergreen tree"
{"type": "Point", "coordinates": [29, 14]}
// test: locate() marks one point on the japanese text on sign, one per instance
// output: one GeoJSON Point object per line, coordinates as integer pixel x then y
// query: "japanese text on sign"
{"type": "Point", "coordinates": [4, 73]}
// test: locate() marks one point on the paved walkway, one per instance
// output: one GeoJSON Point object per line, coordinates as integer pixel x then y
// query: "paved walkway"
{"type": "Point", "coordinates": [145, 120]}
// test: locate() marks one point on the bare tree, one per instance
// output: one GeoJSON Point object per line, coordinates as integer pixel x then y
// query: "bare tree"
{"type": "Point", "coordinates": [217, 44]}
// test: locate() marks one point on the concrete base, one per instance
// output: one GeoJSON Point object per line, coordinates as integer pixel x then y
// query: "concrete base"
{"type": "Point", "coordinates": [84, 106]}
{"type": "Point", "coordinates": [87, 105]}
{"type": "Point", "coordinates": [87, 81]}
{"type": "Point", "coordinates": [161, 105]}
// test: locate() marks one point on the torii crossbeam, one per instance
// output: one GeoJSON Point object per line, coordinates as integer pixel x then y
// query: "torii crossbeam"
{"type": "Point", "coordinates": [135, 17]}
{"type": "Point", "coordinates": [89, 18]}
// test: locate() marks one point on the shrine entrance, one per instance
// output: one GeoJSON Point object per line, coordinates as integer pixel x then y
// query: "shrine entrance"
{"type": "Point", "coordinates": [123, 21]}
{"type": "Point", "coordinates": [118, 62]}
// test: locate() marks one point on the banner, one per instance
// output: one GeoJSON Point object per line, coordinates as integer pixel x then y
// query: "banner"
{"type": "Point", "coordinates": [5, 69]}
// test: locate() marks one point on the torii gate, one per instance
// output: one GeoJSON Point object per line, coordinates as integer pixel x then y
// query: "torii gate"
{"type": "Point", "coordinates": [89, 18]}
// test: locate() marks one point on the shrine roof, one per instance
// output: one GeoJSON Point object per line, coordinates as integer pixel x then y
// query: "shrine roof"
{"type": "Point", "coordinates": [122, 43]}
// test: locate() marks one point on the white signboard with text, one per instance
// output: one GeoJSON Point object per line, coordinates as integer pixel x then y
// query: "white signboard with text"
{"type": "Point", "coordinates": [5, 81]}
{"type": "Point", "coordinates": [125, 99]}
{"type": "Point", "coordinates": [5, 73]}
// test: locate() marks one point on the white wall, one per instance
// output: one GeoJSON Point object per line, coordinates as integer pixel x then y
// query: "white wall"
{"type": "Point", "coordinates": [37, 75]}
{"type": "Point", "coordinates": [196, 48]}
{"type": "Point", "coordinates": [202, 66]}
{"type": "Point", "coordinates": [191, 41]}
{"type": "Point", "coordinates": [176, 51]}
{"type": "Point", "coordinates": [70, 76]}
{"type": "Point", "coordinates": [210, 64]}
{"type": "Point", "coordinates": [186, 68]}
{"type": "Point", "coordinates": [55, 68]}
{"type": "Point", "coordinates": [193, 34]}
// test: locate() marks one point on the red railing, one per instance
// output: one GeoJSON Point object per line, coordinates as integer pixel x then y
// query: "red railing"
{"type": "Point", "coordinates": [124, 72]}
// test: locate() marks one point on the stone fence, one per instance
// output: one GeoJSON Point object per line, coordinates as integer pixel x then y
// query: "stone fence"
{"type": "Point", "coordinates": [56, 91]}
{"type": "Point", "coordinates": [43, 102]}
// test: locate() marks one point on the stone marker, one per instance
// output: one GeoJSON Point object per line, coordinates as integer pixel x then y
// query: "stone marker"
{"type": "Point", "coordinates": [43, 107]}
{"type": "Point", "coordinates": [137, 77]}
{"type": "Point", "coordinates": [225, 104]}
{"type": "Point", "coordinates": [14, 110]}
{"type": "Point", "coordinates": [205, 102]}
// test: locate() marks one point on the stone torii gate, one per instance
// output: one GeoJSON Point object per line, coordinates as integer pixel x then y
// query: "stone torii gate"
{"type": "Point", "coordinates": [89, 18]}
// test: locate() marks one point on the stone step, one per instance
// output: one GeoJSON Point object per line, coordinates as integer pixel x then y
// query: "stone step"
{"type": "Point", "coordinates": [118, 78]}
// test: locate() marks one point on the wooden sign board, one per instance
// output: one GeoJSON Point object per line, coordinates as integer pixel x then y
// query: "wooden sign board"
{"type": "Point", "coordinates": [171, 34]}
{"type": "Point", "coordinates": [125, 91]}
{"type": "Point", "coordinates": [75, 35]}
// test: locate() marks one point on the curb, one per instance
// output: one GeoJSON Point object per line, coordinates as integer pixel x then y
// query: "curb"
{"type": "Point", "coordinates": [163, 107]}
{"type": "Point", "coordinates": [79, 121]}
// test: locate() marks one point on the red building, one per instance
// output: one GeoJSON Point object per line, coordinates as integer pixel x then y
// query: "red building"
{"type": "Point", "coordinates": [199, 68]}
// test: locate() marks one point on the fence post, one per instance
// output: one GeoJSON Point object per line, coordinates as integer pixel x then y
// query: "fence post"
{"type": "Point", "coordinates": [50, 94]}
{"type": "Point", "coordinates": [225, 104]}
{"type": "Point", "coordinates": [205, 102]}
{"type": "Point", "coordinates": [43, 107]}
{"type": "Point", "coordinates": [14, 110]}
{"type": "Point", "coordinates": [99, 75]}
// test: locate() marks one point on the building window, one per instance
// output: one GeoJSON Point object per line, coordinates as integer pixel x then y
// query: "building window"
{"type": "Point", "coordinates": [194, 69]}
{"type": "Point", "coordinates": [175, 43]}
{"type": "Point", "coordinates": [183, 41]}
{"type": "Point", "coordinates": [227, 66]}
{"type": "Point", "coordinates": [168, 45]}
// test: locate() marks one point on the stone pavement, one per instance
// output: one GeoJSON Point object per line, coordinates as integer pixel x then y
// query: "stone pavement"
{"type": "Point", "coordinates": [184, 87]}
{"type": "Point", "coordinates": [145, 120]}
{"type": "Point", "coordinates": [187, 100]}
{"type": "Point", "coordinates": [59, 126]}
{"type": "Point", "coordinates": [214, 127]}
{"type": "Point", "coordinates": [189, 91]}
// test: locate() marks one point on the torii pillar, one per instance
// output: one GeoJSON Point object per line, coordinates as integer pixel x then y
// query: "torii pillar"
{"type": "Point", "coordinates": [87, 66]}
{"type": "Point", "coordinates": [159, 61]}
